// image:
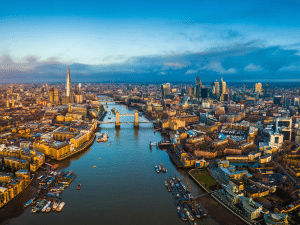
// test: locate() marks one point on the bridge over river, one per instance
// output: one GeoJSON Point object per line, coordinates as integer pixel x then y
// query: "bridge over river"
{"type": "Point", "coordinates": [136, 121]}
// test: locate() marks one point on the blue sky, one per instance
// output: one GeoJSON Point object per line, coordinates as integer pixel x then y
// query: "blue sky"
{"type": "Point", "coordinates": [161, 40]}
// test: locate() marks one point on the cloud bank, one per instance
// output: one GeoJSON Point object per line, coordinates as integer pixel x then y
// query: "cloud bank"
{"type": "Point", "coordinates": [238, 62]}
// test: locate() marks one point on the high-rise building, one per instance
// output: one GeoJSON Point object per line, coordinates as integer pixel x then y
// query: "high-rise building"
{"type": "Point", "coordinates": [258, 87]}
{"type": "Point", "coordinates": [198, 84]}
{"type": "Point", "coordinates": [283, 125]}
{"type": "Point", "coordinates": [216, 88]}
{"type": "Point", "coordinates": [165, 90]}
{"type": "Point", "coordinates": [223, 87]}
{"type": "Point", "coordinates": [56, 95]}
{"type": "Point", "coordinates": [296, 101]}
{"type": "Point", "coordinates": [266, 88]}
{"type": "Point", "coordinates": [69, 97]}
{"type": "Point", "coordinates": [79, 88]}
{"type": "Point", "coordinates": [191, 91]}
{"type": "Point", "coordinates": [287, 102]}
{"type": "Point", "coordinates": [78, 99]}
{"type": "Point", "coordinates": [51, 94]}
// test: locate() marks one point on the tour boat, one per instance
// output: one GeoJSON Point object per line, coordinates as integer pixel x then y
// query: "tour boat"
{"type": "Point", "coordinates": [79, 186]}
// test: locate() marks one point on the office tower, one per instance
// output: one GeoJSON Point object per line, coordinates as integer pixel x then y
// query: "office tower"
{"type": "Point", "coordinates": [223, 87]}
{"type": "Point", "coordinates": [165, 90]}
{"type": "Point", "coordinates": [51, 94]}
{"type": "Point", "coordinates": [296, 101]}
{"type": "Point", "coordinates": [79, 88]}
{"type": "Point", "coordinates": [56, 95]}
{"type": "Point", "coordinates": [191, 91]}
{"type": "Point", "coordinates": [244, 87]}
{"type": "Point", "coordinates": [216, 88]}
{"type": "Point", "coordinates": [283, 125]}
{"type": "Point", "coordinates": [266, 88]}
{"type": "Point", "coordinates": [258, 87]}
{"type": "Point", "coordinates": [78, 99]}
{"type": "Point", "coordinates": [198, 84]}
{"type": "Point", "coordinates": [69, 98]}
{"type": "Point", "coordinates": [183, 91]}
{"type": "Point", "coordinates": [256, 95]}
{"type": "Point", "coordinates": [213, 90]}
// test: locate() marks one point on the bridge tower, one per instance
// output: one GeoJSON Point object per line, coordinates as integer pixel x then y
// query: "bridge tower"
{"type": "Point", "coordinates": [136, 118]}
{"type": "Point", "coordinates": [117, 124]}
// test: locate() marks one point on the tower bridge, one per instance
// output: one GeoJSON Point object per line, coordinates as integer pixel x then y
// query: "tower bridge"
{"type": "Point", "coordinates": [107, 99]}
{"type": "Point", "coordinates": [118, 123]}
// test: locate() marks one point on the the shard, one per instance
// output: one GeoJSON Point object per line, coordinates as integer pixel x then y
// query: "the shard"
{"type": "Point", "coordinates": [69, 97]}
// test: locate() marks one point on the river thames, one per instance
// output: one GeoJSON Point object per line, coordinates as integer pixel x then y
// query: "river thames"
{"type": "Point", "coordinates": [123, 188]}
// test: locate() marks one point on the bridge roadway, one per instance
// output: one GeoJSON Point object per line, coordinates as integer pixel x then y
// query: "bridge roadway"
{"type": "Point", "coordinates": [110, 101]}
{"type": "Point", "coordinates": [100, 122]}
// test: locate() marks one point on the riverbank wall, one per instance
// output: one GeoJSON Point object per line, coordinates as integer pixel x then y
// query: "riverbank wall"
{"type": "Point", "coordinates": [85, 146]}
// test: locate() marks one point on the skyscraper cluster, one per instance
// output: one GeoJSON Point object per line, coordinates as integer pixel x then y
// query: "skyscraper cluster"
{"type": "Point", "coordinates": [217, 93]}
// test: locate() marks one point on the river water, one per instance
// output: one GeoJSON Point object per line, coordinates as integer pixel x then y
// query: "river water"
{"type": "Point", "coordinates": [123, 188]}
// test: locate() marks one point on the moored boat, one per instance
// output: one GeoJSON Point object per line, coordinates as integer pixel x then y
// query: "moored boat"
{"type": "Point", "coordinates": [46, 206]}
{"type": "Point", "coordinates": [181, 214]}
{"type": "Point", "coordinates": [188, 214]}
{"type": "Point", "coordinates": [28, 203]}
{"type": "Point", "coordinates": [54, 167]}
{"type": "Point", "coordinates": [166, 182]}
{"type": "Point", "coordinates": [79, 186]}
{"type": "Point", "coordinates": [55, 205]}
{"type": "Point", "coordinates": [102, 139]}
{"type": "Point", "coordinates": [34, 209]}
{"type": "Point", "coordinates": [61, 205]}
{"type": "Point", "coordinates": [49, 207]}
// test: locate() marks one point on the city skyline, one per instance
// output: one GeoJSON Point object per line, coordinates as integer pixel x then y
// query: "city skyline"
{"type": "Point", "coordinates": [170, 40]}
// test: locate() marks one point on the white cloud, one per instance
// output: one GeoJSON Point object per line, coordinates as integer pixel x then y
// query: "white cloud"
{"type": "Point", "coordinates": [218, 68]}
{"type": "Point", "coordinates": [162, 73]}
{"type": "Point", "coordinates": [174, 65]}
{"type": "Point", "coordinates": [191, 72]}
{"type": "Point", "coordinates": [290, 68]}
{"type": "Point", "coordinates": [253, 68]}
